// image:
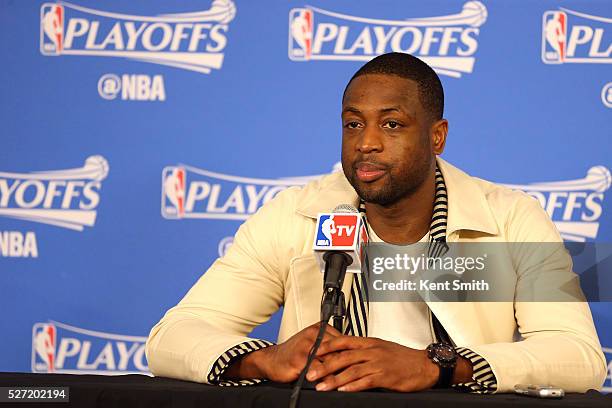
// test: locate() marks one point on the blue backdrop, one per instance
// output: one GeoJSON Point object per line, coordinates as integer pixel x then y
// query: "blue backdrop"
{"type": "Point", "coordinates": [137, 136]}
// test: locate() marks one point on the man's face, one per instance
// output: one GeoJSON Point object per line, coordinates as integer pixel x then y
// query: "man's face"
{"type": "Point", "coordinates": [386, 138]}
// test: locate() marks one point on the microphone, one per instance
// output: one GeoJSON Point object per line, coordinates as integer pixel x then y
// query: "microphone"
{"type": "Point", "coordinates": [339, 246]}
{"type": "Point", "coordinates": [341, 231]}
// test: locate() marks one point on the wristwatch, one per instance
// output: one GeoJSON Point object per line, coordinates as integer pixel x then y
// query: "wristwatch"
{"type": "Point", "coordinates": [445, 356]}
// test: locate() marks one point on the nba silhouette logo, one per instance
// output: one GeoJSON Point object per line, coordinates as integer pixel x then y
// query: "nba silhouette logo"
{"type": "Point", "coordinates": [325, 229]}
{"type": "Point", "coordinates": [337, 231]}
{"type": "Point", "coordinates": [51, 29]}
{"type": "Point", "coordinates": [173, 192]}
{"type": "Point", "coordinates": [300, 34]}
{"type": "Point", "coordinates": [43, 347]}
{"type": "Point", "coordinates": [554, 37]}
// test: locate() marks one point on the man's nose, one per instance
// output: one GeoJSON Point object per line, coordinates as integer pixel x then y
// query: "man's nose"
{"type": "Point", "coordinates": [371, 140]}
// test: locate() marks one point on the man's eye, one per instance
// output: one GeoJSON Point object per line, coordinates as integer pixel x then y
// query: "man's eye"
{"type": "Point", "coordinates": [391, 124]}
{"type": "Point", "coordinates": [352, 125]}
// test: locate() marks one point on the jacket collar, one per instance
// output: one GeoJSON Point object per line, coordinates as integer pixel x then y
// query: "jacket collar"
{"type": "Point", "coordinates": [468, 208]}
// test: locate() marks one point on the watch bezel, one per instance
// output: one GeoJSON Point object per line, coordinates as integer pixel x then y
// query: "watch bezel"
{"type": "Point", "coordinates": [434, 352]}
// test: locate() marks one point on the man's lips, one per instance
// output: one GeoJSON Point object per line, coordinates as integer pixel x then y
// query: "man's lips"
{"type": "Point", "coordinates": [368, 172]}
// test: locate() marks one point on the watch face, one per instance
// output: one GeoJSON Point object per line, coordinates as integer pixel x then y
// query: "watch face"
{"type": "Point", "coordinates": [445, 353]}
{"type": "Point", "coordinates": [442, 354]}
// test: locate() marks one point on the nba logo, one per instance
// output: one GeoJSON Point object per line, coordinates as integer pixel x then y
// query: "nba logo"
{"type": "Point", "coordinates": [300, 34]}
{"type": "Point", "coordinates": [337, 231]}
{"type": "Point", "coordinates": [325, 230]}
{"type": "Point", "coordinates": [51, 29]}
{"type": "Point", "coordinates": [554, 35]}
{"type": "Point", "coordinates": [173, 192]}
{"type": "Point", "coordinates": [43, 347]}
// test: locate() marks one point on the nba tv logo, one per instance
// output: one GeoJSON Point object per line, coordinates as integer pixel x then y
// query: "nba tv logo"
{"type": "Point", "coordinates": [574, 37]}
{"type": "Point", "coordinates": [337, 230]}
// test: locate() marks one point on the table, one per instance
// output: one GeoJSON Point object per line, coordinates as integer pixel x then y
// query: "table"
{"type": "Point", "coordinates": [143, 391]}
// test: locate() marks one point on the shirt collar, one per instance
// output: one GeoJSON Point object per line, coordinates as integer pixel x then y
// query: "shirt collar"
{"type": "Point", "coordinates": [468, 208]}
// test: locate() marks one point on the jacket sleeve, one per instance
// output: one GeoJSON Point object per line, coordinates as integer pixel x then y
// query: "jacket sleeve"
{"type": "Point", "coordinates": [483, 381]}
{"type": "Point", "coordinates": [238, 292]}
{"type": "Point", "coordinates": [559, 344]}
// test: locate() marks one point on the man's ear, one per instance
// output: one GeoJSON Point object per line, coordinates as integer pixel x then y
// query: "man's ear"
{"type": "Point", "coordinates": [439, 130]}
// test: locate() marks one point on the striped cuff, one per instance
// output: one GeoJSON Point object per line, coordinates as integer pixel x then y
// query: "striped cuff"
{"type": "Point", "coordinates": [226, 359]}
{"type": "Point", "coordinates": [484, 381]}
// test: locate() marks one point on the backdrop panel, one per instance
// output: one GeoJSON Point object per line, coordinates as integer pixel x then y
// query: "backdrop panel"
{"type": "Point", "coordinates": [137, 136]}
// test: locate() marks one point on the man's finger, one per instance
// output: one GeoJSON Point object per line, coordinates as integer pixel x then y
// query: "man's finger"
{"type": "Point", "coordinates": [331, 330]}
{"type": "Point", "coordinates": [316, 366]}
{"type": "Point", "coordinates": [342, 343]}
{"type": "Point", "coordinates": [334, 362]}
{"type": "Point", "coordinates": [363, 383]}
{"type": "Point", "coordinates": [312, 331]}
{"type": "Point", "coordinates": [304, 341]}
{"type": "Point", "coordinates": [349, 375]}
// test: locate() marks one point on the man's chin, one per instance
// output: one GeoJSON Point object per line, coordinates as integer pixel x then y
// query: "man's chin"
{"type": "Point", "coordinates": [373, 195]}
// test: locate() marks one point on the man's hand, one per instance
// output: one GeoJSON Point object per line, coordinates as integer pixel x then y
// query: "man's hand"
{"type": "Point", "coordinates": [350, 363]}
{"type": "Point", "coordinates": [283, 362]}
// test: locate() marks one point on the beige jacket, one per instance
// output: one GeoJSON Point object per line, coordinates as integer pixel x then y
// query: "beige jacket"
{"type": "Point", "coordinates": [271, 264]}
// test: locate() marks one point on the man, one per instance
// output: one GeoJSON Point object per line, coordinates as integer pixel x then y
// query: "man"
{"type": "Point", "coordinates": [393, 131]}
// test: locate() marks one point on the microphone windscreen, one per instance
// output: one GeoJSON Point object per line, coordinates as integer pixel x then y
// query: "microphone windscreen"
{"type": "Point", "coordinates": [345, 208]}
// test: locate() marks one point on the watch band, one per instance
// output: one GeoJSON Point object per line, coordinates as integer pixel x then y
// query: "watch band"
{"type": "Point", "coordinates": [446, 377]}
{"type": "Point", "coordinates": [445, 357]}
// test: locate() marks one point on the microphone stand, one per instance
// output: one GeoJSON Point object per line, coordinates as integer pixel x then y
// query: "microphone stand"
{"type": "Point", "coordinates": [332, 305]}
{"type": "Point", "coordinates": [339, 310]}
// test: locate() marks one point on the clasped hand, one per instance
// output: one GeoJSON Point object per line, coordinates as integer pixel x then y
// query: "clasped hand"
{"type": "Point", "coordinates": [343, 363]}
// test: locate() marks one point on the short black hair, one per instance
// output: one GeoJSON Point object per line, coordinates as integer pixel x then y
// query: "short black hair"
{"type": "Point", "coordinates": [431, 93]}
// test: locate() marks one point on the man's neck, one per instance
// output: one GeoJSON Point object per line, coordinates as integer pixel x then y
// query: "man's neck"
{"type": "Point", "coordinates": [407, 220]}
